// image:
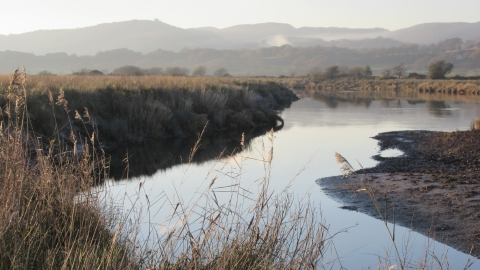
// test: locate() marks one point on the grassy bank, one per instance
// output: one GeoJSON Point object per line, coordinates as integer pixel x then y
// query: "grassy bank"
{"type": "Point", "coordinates": [138, 110]}
{"type": "Point", "coordinates": [448, 86]}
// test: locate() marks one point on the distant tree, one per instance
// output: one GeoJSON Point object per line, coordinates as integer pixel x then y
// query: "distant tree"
{"type": "Point", "coordinates": [343, 70]}
{"type": "Point", "coordinates": [221, 72]}
{"type": "Point", "coordinates": [128, 71]}
{"type": "Point", "coordinates": [450, 44]}
{"type": "Point", "coordinates": [331, 72]}
{"type": "Point", "coordinates": [82, 72]}
{"type": "Point", "coordinates": [177, 71]}
{"type": "Point", "coordinates": [316, 73]}
{"type": "Point", "coordinates": [475, 56]}
{"type": "Point", "coordinates": [356, 72]}
{"type": "Point", "coordinates": [199, 71]}
{"type": "Point", "coordinates": [399, 70]}
{"type": "Point", "coordinates": [367, 71]}
{"type": "Point", "coordinates": [386, 73]}
{"type": "Point", "coordinates": [439, 69]}
{"type": "Point", "coordinates": [45, 73]}
{"type": "Point", "coordinates": [155, 71]}
{"type": "Point", "coordinates": [415, 75]}
{"type": "Point", "coordinates": [95, 73]}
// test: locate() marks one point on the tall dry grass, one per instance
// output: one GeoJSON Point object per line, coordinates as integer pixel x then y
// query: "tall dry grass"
{"type": "Point", "coordinates": [52, 218]}
{"type": "Point", "coordinates": [448, 86]}
{"type": "Point", "coordinates": [136, 110]}
{"type": "Point", "coordinates": [42, 226]}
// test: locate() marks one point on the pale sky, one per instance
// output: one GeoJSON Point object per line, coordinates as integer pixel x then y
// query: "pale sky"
{"type": "Point", "coordinates": [29, 15]}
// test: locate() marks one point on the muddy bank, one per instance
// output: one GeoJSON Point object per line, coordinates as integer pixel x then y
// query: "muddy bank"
{"type": "Point", "coordinates": [434, 186]}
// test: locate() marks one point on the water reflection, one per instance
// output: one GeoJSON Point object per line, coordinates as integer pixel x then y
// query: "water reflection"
{"type": "Point", "coordinates": [436, 103]}
{"type": "Point", "coordinates": [132, 162]}
{"type": "Point", "coordinates": [314, 129]}
{"type": "Point", "coordinates": [333, 99]}
{"type": "Point", "coordinates": [438, 108]}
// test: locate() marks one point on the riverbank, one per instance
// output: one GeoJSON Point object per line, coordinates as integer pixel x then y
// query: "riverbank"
{"type": "Point", "coordinates": [121, 115]}
{"type": "Point", "coordinates": [378, 84]}
{"type": "Point", "coordinates": [435, 185]}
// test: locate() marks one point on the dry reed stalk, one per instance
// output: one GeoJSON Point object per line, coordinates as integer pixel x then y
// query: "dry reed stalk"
{"type": "Point", "coordinates": [51, 217]}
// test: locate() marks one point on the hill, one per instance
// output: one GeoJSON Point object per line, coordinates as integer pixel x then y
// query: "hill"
{"type": "Point", "coordinates": [147, 36]}
{"type": "Point", "coordinates": [268, 61]}
{"type": "Point", "coordinates": [434, 32]}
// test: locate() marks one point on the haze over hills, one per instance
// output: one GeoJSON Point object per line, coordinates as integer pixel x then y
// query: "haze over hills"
{"type": "Point", "coordinates": [434, 32]}
{"type": "Point", "coordinates": [260, 49]}
{"type": "Point", "coordinates": [268, 61]}
{"type": "Point", "coordinates": [147, 36]}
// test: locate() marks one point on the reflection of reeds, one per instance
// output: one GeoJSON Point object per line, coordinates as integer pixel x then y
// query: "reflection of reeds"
{"type": "Point", "coordinates": [364, 98]}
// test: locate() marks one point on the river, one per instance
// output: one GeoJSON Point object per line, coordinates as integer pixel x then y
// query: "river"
{"type": "Point", "coordinates": [303, 151]}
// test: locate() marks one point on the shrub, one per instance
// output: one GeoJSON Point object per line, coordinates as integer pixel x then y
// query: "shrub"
{"type": "Point", "coordinates": [439, 69]}
{"type": "Point", "coordinates": [128, 71]}
{"type": "Point", "coordinates": [177, 71]}
{"type": "Point", "coordinates": [199, 71]}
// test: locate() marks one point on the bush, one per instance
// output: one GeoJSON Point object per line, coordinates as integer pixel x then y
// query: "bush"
{"type": "Point", "coordinates": [439, 69]}
{"type": "Point", "coordinates": [200, 71]}
{"type": "Point", "coordinates": [177, 71]}
{"type": "Point", "coordinates": [221, 72]}
{"type": "Point", "coordinates": [129, 71]}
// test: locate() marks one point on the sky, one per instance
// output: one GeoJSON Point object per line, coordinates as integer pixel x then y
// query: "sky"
{"type": "Point", "coordinates": [30, 15]}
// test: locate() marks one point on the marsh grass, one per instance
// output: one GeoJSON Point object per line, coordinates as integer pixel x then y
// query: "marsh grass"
{"type": "Point", "coordinates": [136, 110]}
{"type": "Point", "coordinates": [52, 218]}
{"type": "Point", "coordinates": [448, 86]}
{"type": "Point", "coordinates": [41, 224]}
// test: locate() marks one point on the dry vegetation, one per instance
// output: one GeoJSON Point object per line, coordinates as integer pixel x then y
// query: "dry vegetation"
{"type": "Point", "coordinates": [459, 87]}
{"type": "Point", "coordinates": [51, 218]}
{"type": "Point", "coordinates": [142, 109]}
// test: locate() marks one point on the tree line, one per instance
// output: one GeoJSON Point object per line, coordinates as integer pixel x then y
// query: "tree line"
{"type": "Point", "coordinates": [271, 61]}
{"type": "Point", "coordinates": [130, 70]}
{"type": "Point", "coordinates": [436, 70]}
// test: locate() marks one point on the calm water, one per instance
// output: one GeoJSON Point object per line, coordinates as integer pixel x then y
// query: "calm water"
{"type": "Point", "coordinates": [316, 128]}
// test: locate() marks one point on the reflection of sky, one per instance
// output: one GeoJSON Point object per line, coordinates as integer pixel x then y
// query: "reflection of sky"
{"type": "Point", "coordinates": [312, 133]}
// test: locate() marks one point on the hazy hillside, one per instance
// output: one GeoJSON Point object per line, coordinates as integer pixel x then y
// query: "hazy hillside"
{"type": "Point", "coordinates": [370, 43]}
{"type": "Point", "coordinates": [261, 49]}
{"type": "Point", "coordinates": [270, 61]}
{"type": "Point", "coordinates": [142, 36]}
{"type": "Point", "coordinates": [333, 33]}
{"type": "Point", "coordinates": [250, 33]}
{"type": "Point", "coordinates": [147, 36]}
{"type": "Point", "coordinates": [434, 32]}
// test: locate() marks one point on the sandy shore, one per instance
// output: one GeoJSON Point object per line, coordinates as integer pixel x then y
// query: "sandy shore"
{"type": "Point", "coordinates": [434, 186]}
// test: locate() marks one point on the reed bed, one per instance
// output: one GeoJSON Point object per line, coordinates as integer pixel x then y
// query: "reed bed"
{"type": "Point", "coordinates": [448, 86]}
{"type": "Point", "coordinates": [52, 218]}
{"type": "Point", "coordinates": [137, 110]}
